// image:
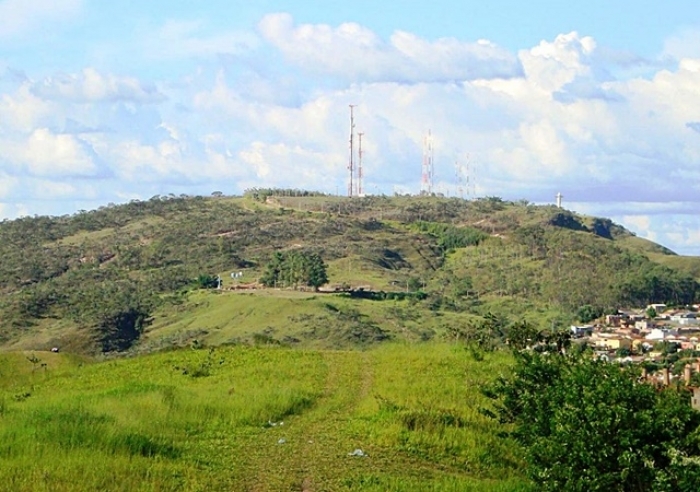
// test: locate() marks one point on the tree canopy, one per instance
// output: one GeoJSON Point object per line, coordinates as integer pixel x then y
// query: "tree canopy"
{"type": "Point", "coordinates": [295, 268]}
{"type": "Point", "coordinates": [588, 425]}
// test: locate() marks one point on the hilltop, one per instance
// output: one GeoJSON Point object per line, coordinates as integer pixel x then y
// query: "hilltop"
{"type": "Point", "coordinates": [122, 277]}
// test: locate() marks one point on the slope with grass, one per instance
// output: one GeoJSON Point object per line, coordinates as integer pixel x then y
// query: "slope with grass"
{"type": "Point", "coordinates": [114, 278]}
{"type": "Point", "coordinates": [243, 418]}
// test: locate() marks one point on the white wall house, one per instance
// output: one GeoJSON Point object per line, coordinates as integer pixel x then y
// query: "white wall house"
{"type": "Point", "coordinates": [659, 334]}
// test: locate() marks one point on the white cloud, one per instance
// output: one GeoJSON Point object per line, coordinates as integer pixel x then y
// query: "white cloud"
{"type": "Point", "coordinates": [8, 184]}
{"type": "Point", "coordinates": [557, 120]}
{"type": "Point", "coordinates": [684, 44]}
{"type": "Point", "coordinates": [18, 17]}
{"type": "Point", "coordinates": [641, 224]}
{"type": "Point", "coordinates": [24, 111]}
{"type": "Point", "coordinates": [353, 52]}
{"type": "Point", "coordinates": [552, 65]}
{"type": "Point", "coordinates": [91, 86]}
{"type": "Point", "coordinates": [191, 38]}
{"type": "Point", "coordinates": [44, 153]}
{"type": "Point", "coordinates": [277, 164]}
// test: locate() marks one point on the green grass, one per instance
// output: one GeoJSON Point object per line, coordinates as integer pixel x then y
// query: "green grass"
{"type": "Point", "coordinates": [200, 420]}
{"type": "Point", "coordinates": [688, 264]}
{"type": "Point", "coordinates": [302, 319]}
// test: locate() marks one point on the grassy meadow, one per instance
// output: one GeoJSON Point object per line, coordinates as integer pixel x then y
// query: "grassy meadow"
{"type": "Point", "coordinates": [254, 418]}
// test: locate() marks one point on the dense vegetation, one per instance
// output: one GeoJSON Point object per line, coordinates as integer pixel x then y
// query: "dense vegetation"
{"type": "Point", "coordinates": [591, 425]}
{"type": "Point", "coordinates": [99, 280]}
{"type": "Point", "coordinates": [294, 269]}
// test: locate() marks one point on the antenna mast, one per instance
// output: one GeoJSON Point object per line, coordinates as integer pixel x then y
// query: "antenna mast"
{"type": "Point", "coordinates": [459, 174]}
{"type": "Point", "coordinates": [471, 179]}
{"type": "Point", "coordinates": [351, 164]}
{"type": "Point", "coordinates": [359, 164]}
{"type": "Point", "coordinates": [428, 169]}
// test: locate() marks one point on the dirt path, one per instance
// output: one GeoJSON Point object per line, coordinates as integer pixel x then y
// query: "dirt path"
{"type": "Point", "coordinates": [316, 443]}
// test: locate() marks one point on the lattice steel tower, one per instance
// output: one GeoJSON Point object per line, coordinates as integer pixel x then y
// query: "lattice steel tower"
{"type": "Point", "coordinates": [428, 166]}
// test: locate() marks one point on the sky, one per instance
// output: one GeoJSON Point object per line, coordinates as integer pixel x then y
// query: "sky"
{"type": "Point", "coordinates": [107, 102]}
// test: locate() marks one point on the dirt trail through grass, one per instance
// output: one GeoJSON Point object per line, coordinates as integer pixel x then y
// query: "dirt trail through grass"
{"type": "Point", "coordinates": [304, 453]}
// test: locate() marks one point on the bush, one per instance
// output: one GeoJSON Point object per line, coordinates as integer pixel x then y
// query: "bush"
{"type": "Point", "coordinates": [590, 425]}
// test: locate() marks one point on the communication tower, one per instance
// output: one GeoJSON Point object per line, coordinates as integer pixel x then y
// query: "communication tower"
{"type": "Point", "coordinates": [359, 165]}
{"type": "Point", "coordinates": [460, 179]}
{"type": "Point", "coordinates": [428, 166]}
{"type": "Point", "coordinates": [351, 163]}
{"type": "Point", "coordinates": [471, 178]}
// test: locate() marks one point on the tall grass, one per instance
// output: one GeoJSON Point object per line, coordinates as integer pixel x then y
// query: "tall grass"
{"type": "Point", "coordinates": [254, 418]}
{"type": "Point", "coordinates": [427, 404]}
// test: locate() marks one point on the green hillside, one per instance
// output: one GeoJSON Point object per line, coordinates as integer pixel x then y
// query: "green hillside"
{"type": "Point", "coordinates": [122, 277]}
{"type": "Point", "coordinates": [255, 419]}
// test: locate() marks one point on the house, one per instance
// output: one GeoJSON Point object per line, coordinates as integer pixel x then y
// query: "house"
{"type": "Point", "coordinates": [581, 331]}
{"type": "Point", "coordinates": [638, 344]}
{"type": "Point", "coordinates": [661, 334]}
{"type": "Point", "coordinates": [688, 318]}
{"type": "Point", "coordinates": [644, 324]}
{"type": "Point", "coordinates": [695, 401]}
{"type": "Point", "coordinates": [659, 308]}
{"type": "Point", "coordinates": [615, 319]}
{"type": "Point", "coordinates": [612, 342]}
{"type": "Point", "coordinates": [619, 343]}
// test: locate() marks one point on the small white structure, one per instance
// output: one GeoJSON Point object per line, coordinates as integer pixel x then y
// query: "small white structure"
{"type": "Point", "coordinates": [581, 331]}
{"type": "Point", "coordinates": [660, 334]}
{"type": "Point", "coordinates": [685, 318]}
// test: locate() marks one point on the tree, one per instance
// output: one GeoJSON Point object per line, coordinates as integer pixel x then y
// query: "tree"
{"type": "Point", "coordinates": [292, 268]}
{"type": "Point", "coordinates": [205, 281]}
{"type": "Point", "coordinates": [589, 425]}
{"type": "Point", "coordinates": [588, 313]}
{"type": "Point", "coordinates": [316, 274]}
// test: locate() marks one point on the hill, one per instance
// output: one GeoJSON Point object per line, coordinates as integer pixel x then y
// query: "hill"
{"type": "Point", "coordinates": [123, 277]}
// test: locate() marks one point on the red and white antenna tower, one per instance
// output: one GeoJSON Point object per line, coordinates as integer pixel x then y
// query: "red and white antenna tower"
{"type": "Point", "coordinates": [359, 164]}
{"type": "Point", "coordinates": [351, 164]}
{"type": "Point", "coordinates": [428, 167]}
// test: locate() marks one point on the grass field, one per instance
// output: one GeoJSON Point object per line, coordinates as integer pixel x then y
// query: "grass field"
{"type": "Point", "coordinates": [211, 419]}
{"type": "Point", "coordinates": [292, 318]}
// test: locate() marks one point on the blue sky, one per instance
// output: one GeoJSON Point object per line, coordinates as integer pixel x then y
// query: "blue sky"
{"type": "Point", "coordinates": [104, 102]}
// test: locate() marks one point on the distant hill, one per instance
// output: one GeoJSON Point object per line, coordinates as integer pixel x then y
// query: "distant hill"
{"type": "Point", "coordinates": [122, 277]}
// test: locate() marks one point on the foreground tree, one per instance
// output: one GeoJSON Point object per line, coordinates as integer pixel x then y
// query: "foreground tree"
{"type": "Point", "coordinates": [587, 425]}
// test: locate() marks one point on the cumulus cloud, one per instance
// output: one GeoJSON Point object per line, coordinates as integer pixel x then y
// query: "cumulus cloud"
{"type": "Point", "coordinates": [557, 117]}
{"type": "Point", "coordinates": [43, 153]}
{"type": "Point", "coordinates": [19, 17]}
{"type": "Point", "coordinates": [92, 86]}
{"type": "Point", "coordinates": [353, 52]}
{"type": "Point", "coordinates": [24, 111]}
